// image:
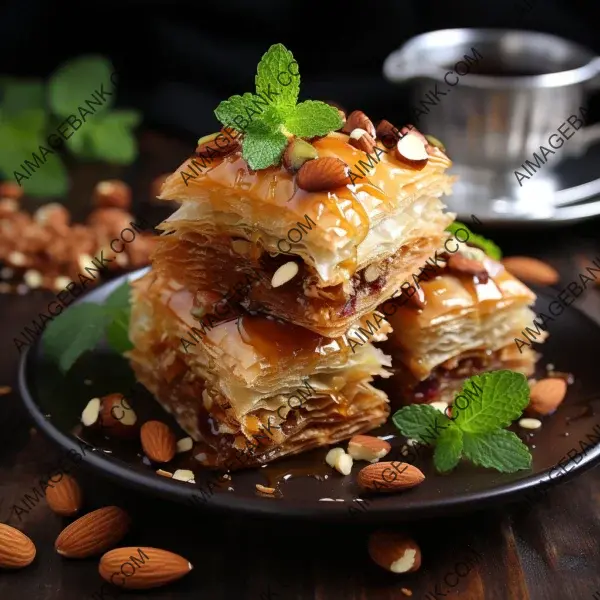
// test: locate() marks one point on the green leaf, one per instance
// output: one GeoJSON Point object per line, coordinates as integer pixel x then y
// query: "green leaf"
{"type": "Point", "coordinates": [262, 149]}
{"type": "Point", "coordinates": [51, 179]}
{"type": "Point", "coordinates": [21, 95]}
{"type": "Point", "coordinates": [501, 450]}
{"type": "Point", "coordinates": [237, 112]}
{"type": "Point", "coordinates": [491, 249]}
{"type": "Point", "coordinates": [274, 76]}
{"type": "Point", "coordinates": [448, 449]}
{"type": "Point", "coordinates": [490, 400]}
{"type": "Point", "coordinates": [119, 298]}
{"type": "Point", "coordinates": [421, 422]}
{"type": "Point", "coordinates": [117, 332]}
{"type": "Point", "coordinates": [110, 140]}
{"type": "Point", "coordinates": [125, 118]}
{"type": "Point", "coordinates": [74, 332]}
{"type": "Point", "coordinates": [76, 81]}
{"type": "Point", "coordinates": [312, 118]}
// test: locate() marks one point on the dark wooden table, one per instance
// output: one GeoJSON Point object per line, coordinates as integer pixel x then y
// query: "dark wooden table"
{"type": "Point", "coordinates": [549, 549]}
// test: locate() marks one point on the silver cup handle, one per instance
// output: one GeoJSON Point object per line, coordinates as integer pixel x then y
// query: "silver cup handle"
{"type": "Point", "coordinates": [397, 68]}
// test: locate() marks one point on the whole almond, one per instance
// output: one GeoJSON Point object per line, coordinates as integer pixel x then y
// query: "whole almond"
{"type": "Point", "coordinates": [546, 395]}
{"type": "Point", "coordinates": [145, 567]}
{"type": "Point", "coordinates": [323, 174]}
{"type": "Point", "coordinates": [93, 533]}
{"type": "Point", "coordinates": [389, 477]}
{"type": "Point", "coordinates": [16, 549]}
{"type": "Point", "coordinates": [459, 263]}
{"type": "Point", "coordinates": [358, 119]}
{"type": "Point", "coordinates": [531, 270]}
{"type": "Point", "coordinates": [394, 552]}
{"type": "Point", "coordinates": [64, 497]}
{"type": "Point", "coordinates": [158, 441]}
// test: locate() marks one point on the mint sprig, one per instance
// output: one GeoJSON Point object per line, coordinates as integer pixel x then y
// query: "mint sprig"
{"type": "Point", "coordinates": [486, 405]}
{"type": "Point", "coordinates": [81, 328]}
{"type": "Point", "coordinates": [474, 239]}
{"type": "Point", "coordinates": [272, 115]}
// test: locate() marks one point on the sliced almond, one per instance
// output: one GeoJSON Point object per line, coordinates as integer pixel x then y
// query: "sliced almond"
{"type": "Point", "coordinates": [90, 413]}
{"type": "Point", "coordinates": [93, 533]}
{"type": "Point", "coordinates": [184, 475]}
{"type": "Point", "coordinates": [366, 447]}
{"type": "Point", "coordinates": [343, 464]}
{"type": "Point", "coordinates": [185, 444]}
{"type": "Point", "coordinates": [531, 270]}
{"type": "Point", "coordinates": [394, 552]}
{"type": "Point", "coordinates": [546, 395]}
{"type": "Point", "coordinates": [323, 174]}
{"type": "Point", "coordinates": [530, 423]}
{"type": "Point", "coordinates": [64, 497]}
{"type": "Point", "coordinates": [264, 489]}
{"type": "Point", "coordinates": [285, 273]}
{"type": "Point", "coordinates": [158, 441]}
{"type": "Point", "coordinates": [371, 273]}
{"type": "Point", "coordinates": [412, 151]}
{"type": "Point", "coordinates": [389, 477]}
{"type": "Point", "coordinates": [333, 455]}
{"type": "Point", "coordinates": [16, 549]}
{"type": "Point", "coordinates": [145, 567]}
{"type": "Point", "coordinates": [360, 139]}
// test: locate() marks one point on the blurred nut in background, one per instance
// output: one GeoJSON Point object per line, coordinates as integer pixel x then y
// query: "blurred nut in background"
{"type": "Point", "coordinates": [10, 189]}
{"type": "Point", "coordinates": [54, 216]}
{"type": "Point", "coordinates": [112, 194]}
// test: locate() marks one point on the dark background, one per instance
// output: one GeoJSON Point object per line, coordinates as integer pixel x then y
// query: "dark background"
{"type": "Point", "coordinates": [178, 59]}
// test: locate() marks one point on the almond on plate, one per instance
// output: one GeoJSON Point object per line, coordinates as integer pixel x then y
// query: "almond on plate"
{"type": "Point", "coordinates": [158, 441]}
{"type": "Point", "coordinates": [145, 567]}
{"type": "Point", "coordinates": [367, 447]}
{"type": "Point", "coordinates": [16, 549]}
{"type": "Point", "coordinates": [93, 533]}
{"type": "Point", "coordinates": [394, 552]}
{"type": "Point", "coordinates": [389, 477]}
{"type": "Point", "coordinates": [531, 270]}
{"type": "Point", "coordinates": [546, 395]}
{"type": "Point", "coordinates": [64, 497]}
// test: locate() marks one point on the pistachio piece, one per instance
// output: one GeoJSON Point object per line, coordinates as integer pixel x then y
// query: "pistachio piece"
{"type": "Point", "coordinates": [297, 153]}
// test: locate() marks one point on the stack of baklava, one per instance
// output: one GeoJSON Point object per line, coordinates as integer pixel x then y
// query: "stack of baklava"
{"type": "Point", "coordinates": [256, 323]}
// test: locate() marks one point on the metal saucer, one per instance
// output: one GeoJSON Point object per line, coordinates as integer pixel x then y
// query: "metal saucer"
{"type": "Point", "coordinates": [564, 192]}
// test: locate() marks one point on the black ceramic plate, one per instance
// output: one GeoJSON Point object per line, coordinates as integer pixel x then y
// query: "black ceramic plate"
{"type": "Point", "coordinates": [570, 437]}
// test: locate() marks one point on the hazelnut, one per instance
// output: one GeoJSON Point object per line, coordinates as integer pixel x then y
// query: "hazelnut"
{"type": "Point", "coordinates": [54, 216]}
{"type": "Point", "coordinates": [10, 189]}
{"type": "Point", "coordinates": [113, 193]}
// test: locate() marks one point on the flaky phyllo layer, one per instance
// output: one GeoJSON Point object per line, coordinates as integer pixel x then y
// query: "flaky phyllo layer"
{"type": "Point", "coordinates": [252, 374]}
{"type": "Point", "coordinates": [466, 326]}
{"type": "Point", "coordinates": [352, 247]}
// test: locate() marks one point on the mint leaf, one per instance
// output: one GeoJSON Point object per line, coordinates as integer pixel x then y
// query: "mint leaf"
{"type": "Point", "coordinates": [241, 112]}
{"type": "Point", "coordinates": [501, 450]}
{"type": "Point", "coordinates": [51, 179]}
{"type": "Point", "coordinates": [74, 332]}
{"type": "Point", "coordinates": [491, 249]}
{"type": "Point", "coordinates": [110, 140]}
{"type": "Point", "coordinates": [274, 75]}
{"type": "Point", "coordinates": [117, 332]}
{"type": "Point", "coordinates": [421, 422]}
{"type": "Point", "coordinates": [261, 149]}
{"type": "Point", "coordinates": [490, 400]}
{"type": "Point", "coordinates": [119, 297]}
{"type": "Point", "coordinates": [312, 118]}
{"type": "Point", "coordinates": [448, 449]}
{"type": "Point", "coordinates": [20, 95]}
{"type": "Point", "coordinates": [76, 81]}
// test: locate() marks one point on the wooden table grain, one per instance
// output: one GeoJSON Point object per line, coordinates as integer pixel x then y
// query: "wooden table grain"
{"type": "Point", "coordinates": [544, 549]}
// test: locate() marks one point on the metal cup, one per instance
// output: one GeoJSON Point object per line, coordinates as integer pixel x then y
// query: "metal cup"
{"type": "Point", "coordinates": [494, 96]}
